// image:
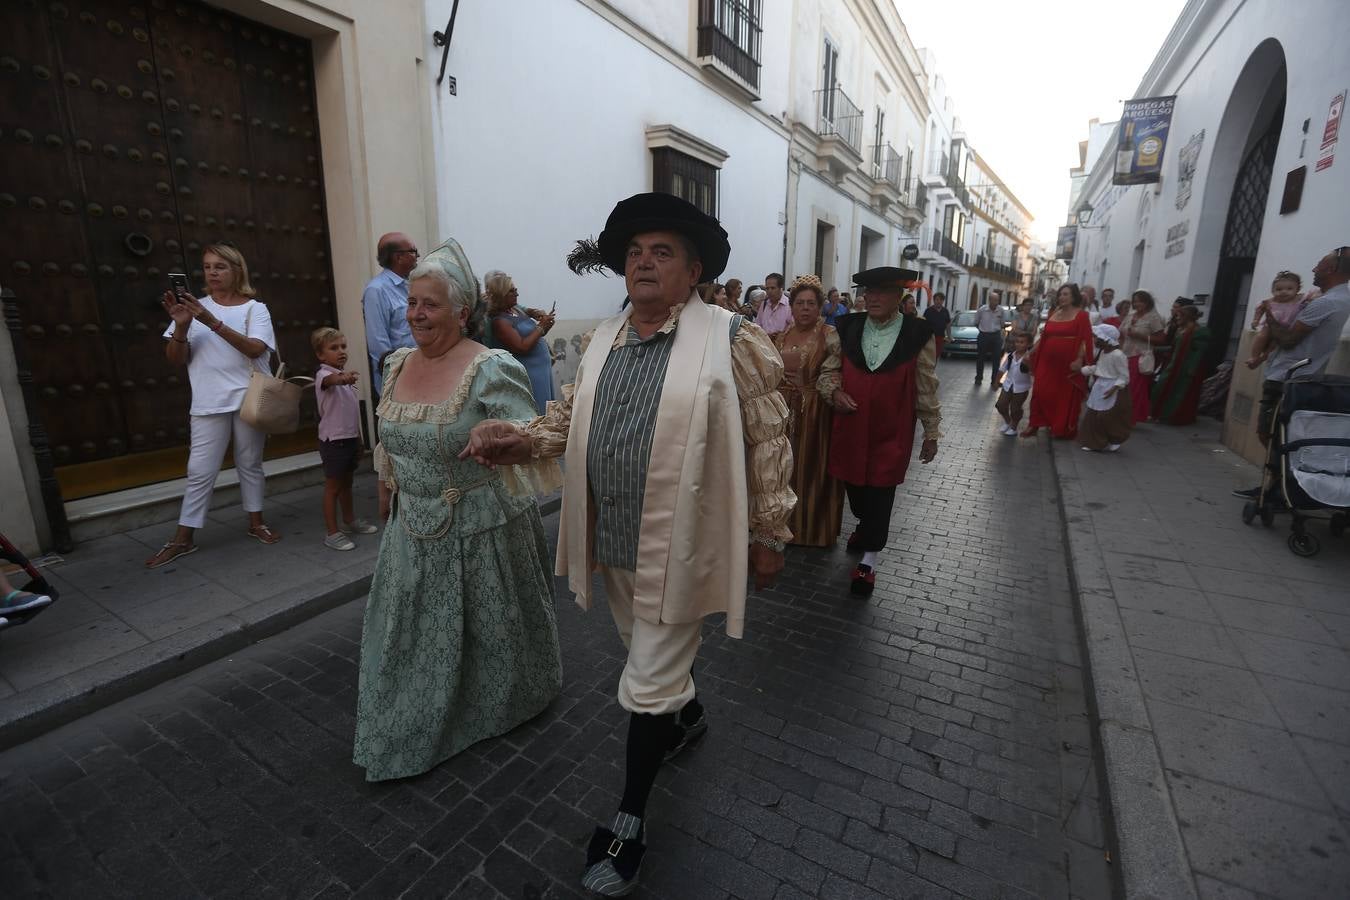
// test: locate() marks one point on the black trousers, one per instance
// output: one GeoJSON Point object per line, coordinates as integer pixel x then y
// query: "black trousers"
{"type": "Point", "coordinates": [988, 345]}
{"type": "Point", "coordinates": [872, 506]}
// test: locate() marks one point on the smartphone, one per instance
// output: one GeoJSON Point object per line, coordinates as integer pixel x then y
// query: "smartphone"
{"type": "Point", "coordinates": [178, 284]}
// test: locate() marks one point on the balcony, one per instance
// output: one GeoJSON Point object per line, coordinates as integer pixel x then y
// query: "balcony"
{"type": "Point", "coordinates": [940, 243]}
{"type": "Point", "coordinates": [729, 39]}
{"type": "Point", "coordinates": [839, 123]}
{"type": "Point", "coordinates": [920, 195]}
{"type": "Point", "coordinates": [998, 271]}
{"type": "Point", "coordinates": [884, 168]}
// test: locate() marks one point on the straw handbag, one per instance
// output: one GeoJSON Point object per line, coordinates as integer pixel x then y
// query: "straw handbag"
{"type": "Point", "coordinates": [272, 404]}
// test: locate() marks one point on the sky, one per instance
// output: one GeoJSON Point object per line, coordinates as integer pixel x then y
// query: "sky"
{"type": "Point", "coordinates": [1026, 77]}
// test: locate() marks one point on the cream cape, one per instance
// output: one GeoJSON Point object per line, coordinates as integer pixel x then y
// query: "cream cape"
{"type": "Point", "coordinates": [693, 542]}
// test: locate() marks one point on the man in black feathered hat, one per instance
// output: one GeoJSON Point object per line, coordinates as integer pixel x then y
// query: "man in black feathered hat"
{"type": "Point", "coordinates": [887, 385]}
{"type": "Point", "coordinates": [677, 482]}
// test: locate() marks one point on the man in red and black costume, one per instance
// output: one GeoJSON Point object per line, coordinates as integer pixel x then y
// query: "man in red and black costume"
{"type": "Point", "coordinates": [888, 384]}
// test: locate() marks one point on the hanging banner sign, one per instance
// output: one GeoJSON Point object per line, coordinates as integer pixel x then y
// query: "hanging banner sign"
{"type": "Point", "coordinates": [1142, 140]}
{"type": "Point", "coordinates": [1330, 134]}
{"type": "Point", "coordinates": [1068, 236]}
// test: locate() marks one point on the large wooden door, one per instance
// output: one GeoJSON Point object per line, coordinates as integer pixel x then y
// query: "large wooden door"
{"type": "Point", "coordinates": [133, 135]}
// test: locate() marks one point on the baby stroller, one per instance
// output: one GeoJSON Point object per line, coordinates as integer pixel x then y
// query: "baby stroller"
{"type": "Point", "coordinates": [28, 579]}
{"type": "Point", "coordinates": [1309, 460]}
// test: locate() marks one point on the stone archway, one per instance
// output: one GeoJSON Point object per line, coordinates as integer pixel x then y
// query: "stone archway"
{"type": "Point", "coordinates": [1229, 221]}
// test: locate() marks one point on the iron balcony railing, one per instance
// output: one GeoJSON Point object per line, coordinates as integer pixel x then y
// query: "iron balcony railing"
{"type": "Point", "coordinates": [920, 194]}
{"type": "Point", "coordinates": [729, 31]}
{"type": "Point", "coordinates": [837, 115]}
{"type": "Point", "coordinates": [947, 247]}
{"type": "Point", "coordinates": [886, 165]}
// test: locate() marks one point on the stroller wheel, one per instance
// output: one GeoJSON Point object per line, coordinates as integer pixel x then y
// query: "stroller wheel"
{"type": "Point", "coordinates": [1267, 516]}
{"type": "Point", "coordinates": [1248, 512]}
{"type": "Point", "coordinates": [1304, 544]}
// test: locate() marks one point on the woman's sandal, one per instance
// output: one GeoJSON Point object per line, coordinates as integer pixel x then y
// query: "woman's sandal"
{"type": "Point", "coordinates": [168, 553]}
{"type": "Point", "coordinates": [264, 534]}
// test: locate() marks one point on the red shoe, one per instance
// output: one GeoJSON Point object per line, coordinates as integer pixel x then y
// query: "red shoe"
{"type": "Point", "coordinates": [864, 581]}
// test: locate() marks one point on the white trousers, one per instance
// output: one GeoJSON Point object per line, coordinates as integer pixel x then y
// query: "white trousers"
{"type": "Point", "coordinates": [210, 436]}
{"type": "Point", "coordinates": [656, 678]}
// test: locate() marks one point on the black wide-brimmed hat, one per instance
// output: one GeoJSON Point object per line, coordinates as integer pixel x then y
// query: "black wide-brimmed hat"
{"type": "Point", "coordinates": [885, 276]}
{"type": "Point", "coordinates": [641, 213]}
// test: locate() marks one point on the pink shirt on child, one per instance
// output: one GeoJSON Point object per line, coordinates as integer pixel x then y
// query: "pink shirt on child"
{"type": "Point", "coordinates": [339, 411]}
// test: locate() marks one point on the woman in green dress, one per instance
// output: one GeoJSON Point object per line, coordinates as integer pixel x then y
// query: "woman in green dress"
{"type": "Point", "coordinates": [460, 643]}
{"type": "Point", "coordinates": [1176, 396]}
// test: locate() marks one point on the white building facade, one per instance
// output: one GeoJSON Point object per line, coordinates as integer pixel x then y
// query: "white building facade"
{"type": "Point", "coordinates": [814, 130]}
{"type": "Point", "coordinates": [1000, 257]}
{"type": "Point", "coordinates": [856, 108]}
{"type": "Point", "coordinates": [1248, 187]}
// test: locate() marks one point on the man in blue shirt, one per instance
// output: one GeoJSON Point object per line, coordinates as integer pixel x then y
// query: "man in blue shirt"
{"type": "Point", "coordinates": [385, 301]}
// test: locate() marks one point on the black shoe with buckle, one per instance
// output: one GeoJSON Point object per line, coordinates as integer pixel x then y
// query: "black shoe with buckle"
{"type": "Point", "coordinates": [864, 581]}
{"type": "Point", "coordinates": [611, 864]}
{"type": "Point", "coordinates": [687, 735]}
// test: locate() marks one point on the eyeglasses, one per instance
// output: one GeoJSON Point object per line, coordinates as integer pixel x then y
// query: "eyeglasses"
{"type": "Point", "coordinates": [412, 250]}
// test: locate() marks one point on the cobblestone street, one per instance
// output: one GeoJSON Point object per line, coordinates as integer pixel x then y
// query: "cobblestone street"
{"type": "Point", "coordinates": [932, 741]}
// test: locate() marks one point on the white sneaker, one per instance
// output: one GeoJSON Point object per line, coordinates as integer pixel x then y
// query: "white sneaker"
{"type": "Point", "coordinates": [1010, 431]}
{"type": "Point", "coordinates": [358, 526]}
{"type": "Point", "coordinates": [1112, 448]}
{"type": "Point", "coordinates": [338, 541]}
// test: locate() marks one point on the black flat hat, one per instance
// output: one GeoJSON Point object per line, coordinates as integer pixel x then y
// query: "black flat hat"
{"type": "Point", "coordinates": [641, 213]}
{"type": "Point", "coordinates": [885, 276]}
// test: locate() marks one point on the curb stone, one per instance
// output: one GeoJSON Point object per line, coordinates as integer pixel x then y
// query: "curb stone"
{"type": "Point", "coordinates": [1152, 857]}
{"type": "Point", "coordinates": [63, 700]}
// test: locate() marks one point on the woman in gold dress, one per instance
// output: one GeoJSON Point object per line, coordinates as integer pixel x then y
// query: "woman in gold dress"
{"type": "Point", "coordinates": [810, 351]}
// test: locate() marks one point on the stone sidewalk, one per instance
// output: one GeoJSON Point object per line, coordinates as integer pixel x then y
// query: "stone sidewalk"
{"type": "Point", "coordinates": [119, 627]}
{"type": "Point", "coordinates": [1221, 668]}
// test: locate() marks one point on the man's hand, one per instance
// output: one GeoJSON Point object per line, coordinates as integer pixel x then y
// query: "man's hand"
{"type": "Point", "coordinates": [929, 451]}
{"type": "Point", "coordinates": [843, 402]}
{"type": "Point", "coordinates": [493, 442]}
{"type": "Point", "coordinates": [1076, 365]}
{"type": "Point", "coordinates": [765, 563]}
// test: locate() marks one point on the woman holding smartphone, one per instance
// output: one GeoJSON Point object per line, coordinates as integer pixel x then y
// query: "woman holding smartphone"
{"type": "Point", "coordinates": [221, 338]}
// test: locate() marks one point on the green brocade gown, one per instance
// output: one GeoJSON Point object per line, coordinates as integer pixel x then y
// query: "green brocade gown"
{"type": "Point", "coordinates": [460, 642]}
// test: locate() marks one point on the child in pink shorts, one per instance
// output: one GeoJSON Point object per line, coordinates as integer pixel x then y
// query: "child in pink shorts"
{"type": "Point", "coordinates": [339, 437]}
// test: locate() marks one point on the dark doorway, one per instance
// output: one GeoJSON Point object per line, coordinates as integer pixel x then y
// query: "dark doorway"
{"type": "Point", "coordinates": [1241, 240]}
{"type": "Point", "coordinates": [134, 135]}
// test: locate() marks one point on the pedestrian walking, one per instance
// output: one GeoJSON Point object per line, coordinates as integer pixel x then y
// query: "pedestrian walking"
{"type": "Point", "coordinates": [222, 338]}
{"type": "Point", "coordinates": [1060, 388]}
{"type": "Point", "coordinates": [1015, 384]}
{"type": "Point", "coordinates": [339, 437]}
{"type": "Point", "coordinates": [939, 318]}
{"type": "Point", "coordinates": [888, 385]}
{"type": "Point", "coordinates": [459, 642]}
{"type": "Point", "coordinates": [810, 351]}
{"type": "Point", "coordinates": [520, 331]}
{"type": "Point", "coordinates": [774, 313]}
{"type": "Point", "coordinates": [384, 302]}
{"type": "Point", "coordinates": [989, 343]}
{"type": "Point", "coordinates": [1107, 416]}
{"type": "Point", "coordinates": [670, 394]}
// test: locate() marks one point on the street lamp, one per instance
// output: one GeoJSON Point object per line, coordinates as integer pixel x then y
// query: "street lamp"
{"type": "Point", "coordinates": [1084, 214]}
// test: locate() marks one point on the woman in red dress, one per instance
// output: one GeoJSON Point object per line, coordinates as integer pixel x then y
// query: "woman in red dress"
{"type": "Point", "coordinates": [1057, 392]}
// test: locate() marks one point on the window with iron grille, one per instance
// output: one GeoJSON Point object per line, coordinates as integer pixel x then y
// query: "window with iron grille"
{"type": "Point", "coordinates": [684, 176]}
{"type": "Point", "coordinates": [729, 31]}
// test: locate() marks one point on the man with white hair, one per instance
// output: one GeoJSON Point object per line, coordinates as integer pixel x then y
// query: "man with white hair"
{"type": "Point", "coordinates": [384, 301]}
